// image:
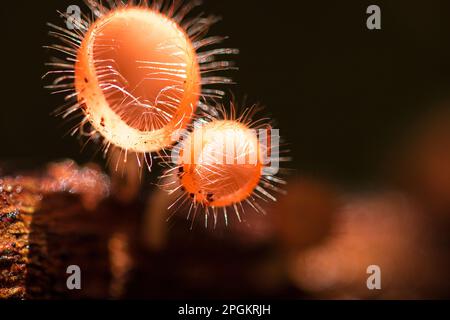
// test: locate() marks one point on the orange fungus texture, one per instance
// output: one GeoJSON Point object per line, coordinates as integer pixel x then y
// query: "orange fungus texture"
{"type": "Point", "coordinates": [137, 78]}
{"type": "Point", "coordinates": [221, 163]}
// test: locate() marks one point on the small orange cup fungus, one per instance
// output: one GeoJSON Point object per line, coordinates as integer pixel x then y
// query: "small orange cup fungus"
{"type": "Point", "coordinates": [223, 164]}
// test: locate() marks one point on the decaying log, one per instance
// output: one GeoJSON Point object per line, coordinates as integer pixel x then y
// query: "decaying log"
{"type": "Point", "coordinates": [63, 217]}
{"type": "Point", "coordinates": [68, 215]}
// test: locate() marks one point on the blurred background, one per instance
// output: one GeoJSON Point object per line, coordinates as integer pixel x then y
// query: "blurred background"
{"type": "Point", "coordinates": [366, 115]}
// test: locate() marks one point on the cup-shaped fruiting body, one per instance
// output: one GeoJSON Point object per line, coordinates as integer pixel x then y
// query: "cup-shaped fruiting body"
{"type": "Point", "coordinates": [137, 73]}
{"type": "Point", "coordinates": [224, 164]}
{"type": "Point", "coordinates": [221, 163]}
{"type": "Point", "coordinates": [138, 78]}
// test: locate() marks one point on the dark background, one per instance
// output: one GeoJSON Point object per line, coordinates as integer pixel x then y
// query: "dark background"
{"type": "Point", "coordinates": [342, 95]}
